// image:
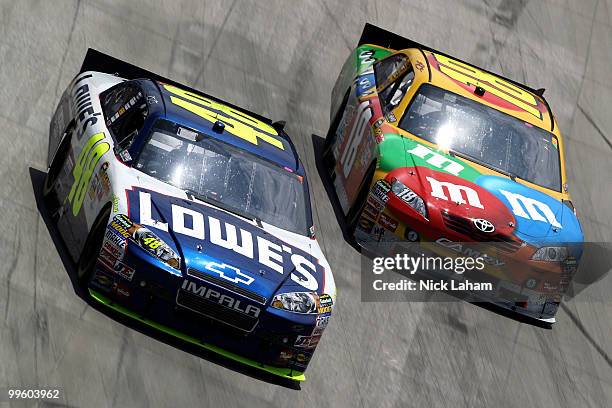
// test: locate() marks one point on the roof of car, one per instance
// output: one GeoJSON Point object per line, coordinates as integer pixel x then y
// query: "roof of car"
{"type": "Point", "coordinates": [444, 70]}
{"type": "Point", "coordinates": [511, 97]}
{"type": "Point", "coordinates": [229, 124]}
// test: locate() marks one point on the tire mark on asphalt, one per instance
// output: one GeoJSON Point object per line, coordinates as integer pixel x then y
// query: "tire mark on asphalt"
{"type": "Point", "coordinates": [214, 44]}
{"type": "Point", "coordinates": [11, 271]}
{"type": "Point", "coordinates": [592, 122]}
{"type": "Point", "coordinates": [38, 221]}
{"type": "Point", "coordinates": [124, 341]}
{"type": "Point", "coordinates": [333, 18]}
{"type": "Point", "coordinates": [584, 68]}
{"type": "Point", "coordinates": [586, 334]}
{"type": "Point", "coordinates": [72, 27]}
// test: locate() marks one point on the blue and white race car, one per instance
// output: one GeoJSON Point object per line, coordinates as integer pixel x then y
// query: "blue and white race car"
{"type": "Point", "coordinates": [188, 214]}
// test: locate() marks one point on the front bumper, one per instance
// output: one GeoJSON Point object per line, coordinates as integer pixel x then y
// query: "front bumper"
{"type": "Point", "coordinates": [380, 231]}
{"type": "Point", "coordinates": [287, 373]}
{"type": "Point", "coordinates": [277, 341]}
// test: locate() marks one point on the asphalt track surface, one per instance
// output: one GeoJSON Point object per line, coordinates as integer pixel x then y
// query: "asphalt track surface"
{"type": "Point", "coordinates": [281, 58]}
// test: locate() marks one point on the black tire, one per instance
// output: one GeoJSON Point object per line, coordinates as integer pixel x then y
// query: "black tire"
{"type": "Point", "coordinates": [92, 247]}
{"type": "Point", "coordinates": [354, 212]}
{"type": "Point", "coordinates": [52, 201]}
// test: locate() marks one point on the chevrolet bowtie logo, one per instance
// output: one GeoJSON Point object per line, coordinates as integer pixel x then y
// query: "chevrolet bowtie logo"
{"type": "Point", "coordinates": [229, 273]}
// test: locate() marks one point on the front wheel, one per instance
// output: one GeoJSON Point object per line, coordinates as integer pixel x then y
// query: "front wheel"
{"type": "Point", "coordinates": [354, 213]}
{"type": "Point", "coordinates": [91, 250]}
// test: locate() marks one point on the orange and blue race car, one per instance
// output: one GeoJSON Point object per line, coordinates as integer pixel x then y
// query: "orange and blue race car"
{"type": "Point", "coordinates": [424, 147]}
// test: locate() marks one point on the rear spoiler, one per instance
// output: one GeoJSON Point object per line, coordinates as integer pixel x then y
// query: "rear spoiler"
{"type": "Point", "coordinates": [379, 36]}
{"type": "Point", "coordinates": [101, 62]}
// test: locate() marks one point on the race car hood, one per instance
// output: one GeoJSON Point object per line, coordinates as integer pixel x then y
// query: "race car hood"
{"type": "Point", "coordinates": [219, 246]}
{"type": "Point", "coordinates": [453, 186]}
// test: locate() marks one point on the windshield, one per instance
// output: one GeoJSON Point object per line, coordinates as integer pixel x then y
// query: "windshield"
{"type": "Point", "coordinates": [225, 176]}
{"type": "Point", "coordinates": [484, 135]}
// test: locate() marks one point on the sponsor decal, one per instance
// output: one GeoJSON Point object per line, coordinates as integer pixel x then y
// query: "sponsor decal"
{"type": "Point", "coordinates": [420, 66]}
{"type": "Point", "coordinates": [364, 84]}
{"type": "Point", "coordinates": [436, 160]}
{"type": "Point", "coordinates": [285, 356]}
{"type": "Point", "coordinates": [530, 208]}
{"type": "Point", "coordinates": [123, 270]}
{"type": "Point", "coordinates": [325, 303]}
{"type": "Point", "coordinates": [388, 222]}
{"type": "Point", "coordinates": [237, 236]}
{"type": "Point", "coordinates": [380, 190]}
{"type": "Point", "coordinates": [456, 193]}
{"type": "Point", "coordinates": [100, 185]}
{"type": "Point", "coordinates": [483, 225]}
{"type": "Point", "coordinates": [128, 105]}
{"type": "Point", "coordinates": [102, 281]}
{"type": "Point", "coordinates": [366, 224]}
{"type": "Point", "coordinates": [303, 357]}
{"type": "Point", "coordinates": [307, 342]}
{"type": "Point", "coordinates": [85, 112]}
{"type": "Point", "coordinates": [214, 296]}
{"type": "Point", "coordinates": [321, 324]}
{"type": "Point", "coordinates": [229, 273]}
{"type": "Point", "coordinates": [113, 238]}
{"type": "Point", "coordinates": [370, 211]}
{"type": "Point", "coordinates": [121, 290]}
{"type": "Point", "coordinates": [115, 203]}
{"type": "Point", "coordinates": [113, 264]}
{"type": "Point", "coordinates": [113, 249]}
{"type": "Point", "coordinates": [366, 57]}
{"type": "Point", "coordinates": [107, 258]}
{"type": "Point", "coordinates": [376, 203]}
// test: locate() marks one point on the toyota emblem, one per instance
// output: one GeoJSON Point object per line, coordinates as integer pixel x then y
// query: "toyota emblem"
{"type": "Point", "coordinates": [484, 225]}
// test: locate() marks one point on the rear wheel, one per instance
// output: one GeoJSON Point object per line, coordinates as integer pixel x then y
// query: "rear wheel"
{"type": "Point", "coordinates": [91, 250]}
{"type": "Point", "coordinates": [328, 157]}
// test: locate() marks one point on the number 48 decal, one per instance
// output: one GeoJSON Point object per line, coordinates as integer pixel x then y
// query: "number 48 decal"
{"type": "Point", "coordinates": [84, 168]}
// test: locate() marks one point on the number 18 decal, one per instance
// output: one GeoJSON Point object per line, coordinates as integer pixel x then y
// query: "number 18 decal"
{"type": "Point", "coordinates": [359, 129]}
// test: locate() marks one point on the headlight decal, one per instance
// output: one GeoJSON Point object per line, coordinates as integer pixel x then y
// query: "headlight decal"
{"type": "Point", "coordinates": [146, 239]}
{"type": "Point", "coordinates": [303, 302]}
{"type": "Point", "coordinates": [551, 254]}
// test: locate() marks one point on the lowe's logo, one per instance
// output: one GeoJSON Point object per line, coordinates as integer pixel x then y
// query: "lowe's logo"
{"type": "Point", "coordinates": [195, 224]}
{"type": "Point", "coordinates": [229, 273]}
{"type": "Point", "coordinates": [219, 298]}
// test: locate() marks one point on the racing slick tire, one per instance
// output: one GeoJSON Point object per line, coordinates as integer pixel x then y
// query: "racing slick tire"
{"type": "Point", "coordinates": [353, 214]}
{"type": "Point", "coordinates": [61, 154]}
{"type": "Point", "coordinates": [92, 247]}
{"type": "Point", "coordinates": [329, 161]}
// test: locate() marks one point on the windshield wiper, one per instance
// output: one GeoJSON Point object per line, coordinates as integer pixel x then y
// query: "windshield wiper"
{"type": "Point", "coordinates": [217, 203]}
{"type": "Point", "coordinates": [512, 176]}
